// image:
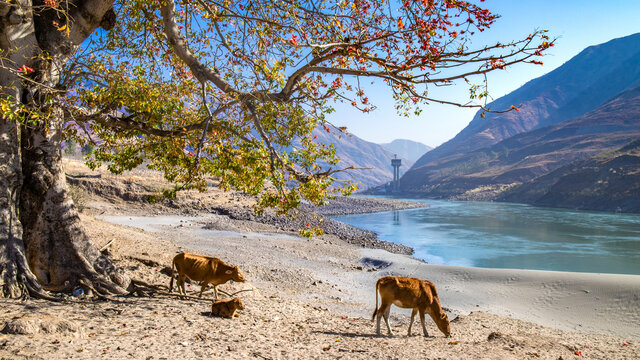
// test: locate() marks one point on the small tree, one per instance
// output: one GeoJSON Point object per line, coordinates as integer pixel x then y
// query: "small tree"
{"type": "Point", "coordinates": [224, 88]}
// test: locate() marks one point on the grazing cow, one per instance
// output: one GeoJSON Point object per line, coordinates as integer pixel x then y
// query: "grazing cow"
{"type": "Point", "coordinates": [227, 308]}
{"type": "Point", "coordinates": [420, 295]}
{"type": "Point", "coordinates": [207, 269]}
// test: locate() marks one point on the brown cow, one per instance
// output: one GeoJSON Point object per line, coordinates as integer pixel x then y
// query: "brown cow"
{"type": "Point", "coordinates": [227, 308]}
{"type": "Point", "coordinates": [203, 268]}
{"type": "Point", "coordinates": [420, 295]}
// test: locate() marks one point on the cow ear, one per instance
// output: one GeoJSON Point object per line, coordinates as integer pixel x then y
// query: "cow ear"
{"type": "Point", "coordinates": [228, 272]}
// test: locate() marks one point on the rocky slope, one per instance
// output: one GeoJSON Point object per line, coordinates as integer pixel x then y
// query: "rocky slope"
{"type": "Point", "coordinates": [510, 169]}
{"type": "Point", "coordinates": [582, 84]}
{"type": "Point", "coordinates": [142, 189]}
{"type": "Point", "coordinates": [524, 166]}
{"type": "Point", "coordinates": [609, 181]}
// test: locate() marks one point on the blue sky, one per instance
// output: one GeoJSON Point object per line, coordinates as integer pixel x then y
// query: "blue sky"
{"type": "Point", "coordinates": [576, 23]}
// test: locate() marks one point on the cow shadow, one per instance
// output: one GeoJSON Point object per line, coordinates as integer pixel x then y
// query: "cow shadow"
{"type": "Point", "coordinates": [210, 315]}
{"type": "Point", "coordinates": [372, 335]}
{"type": "Point", "coordinates": [345, 334]}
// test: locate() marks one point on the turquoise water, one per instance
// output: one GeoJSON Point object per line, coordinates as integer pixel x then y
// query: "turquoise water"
{"type": "Point", "coordinates": [516, 236]}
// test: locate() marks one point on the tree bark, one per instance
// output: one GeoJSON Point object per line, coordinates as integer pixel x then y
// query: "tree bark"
{"type": "Point", "coordinates": [57, 248]}
{"type": "Point", "coordinates": [15, 278]}
{"type": "Point", "coordinates": [42, 243]}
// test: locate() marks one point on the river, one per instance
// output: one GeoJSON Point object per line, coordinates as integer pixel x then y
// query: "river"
{"type": "Point", "coordinates": [506, 235]}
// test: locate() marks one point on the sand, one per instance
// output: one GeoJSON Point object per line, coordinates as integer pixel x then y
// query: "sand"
{"type": "Point", "coordinates": [313, 299]}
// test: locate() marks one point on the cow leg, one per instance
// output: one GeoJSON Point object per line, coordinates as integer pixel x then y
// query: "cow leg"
{"type": "Point", "coordinates": [424, 327]}
{"type": "Point", "coordinates": [204, 286]}
{"type": "Point", "coordinates": [386, 319]}
{"type": "Point", "coordinates": [181, 289]}
{"type": "Point", "coordinates": [413, 316]}
{"type": "Point", "coordinates": [215, 291]}
{"type": "Point", "coordinates": [379, 313]}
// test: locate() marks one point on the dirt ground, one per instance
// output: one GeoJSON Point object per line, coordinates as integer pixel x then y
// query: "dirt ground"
{"type": "Point", "coordinates": [305, 299]}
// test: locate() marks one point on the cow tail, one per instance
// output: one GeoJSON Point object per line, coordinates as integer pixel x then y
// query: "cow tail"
{"type": "Point", "coordinates": [173, 266]}
{"type": "Point", "coordinates": [375, 311]}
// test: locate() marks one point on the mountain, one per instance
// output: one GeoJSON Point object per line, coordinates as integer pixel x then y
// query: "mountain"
{"type": "Point", "coordinates": [585, 82]}
{"type": "Point", "coordinates": [577, 164]}
{"type": "Point", "coordinates": [411, 150]}
{"type": "Point", "coordinates": [609, 182]}
{"type": "Point", "coordinates": [372, 161]}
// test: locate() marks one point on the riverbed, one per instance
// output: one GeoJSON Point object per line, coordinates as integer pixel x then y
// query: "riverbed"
{"type": "Point", "coordinates": [513, 236]}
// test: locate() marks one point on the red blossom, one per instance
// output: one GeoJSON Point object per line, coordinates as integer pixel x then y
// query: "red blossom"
{"type": "Point", "coordinates": [293, 40]}
{"type": "Point", "coordinates": [25, 69]}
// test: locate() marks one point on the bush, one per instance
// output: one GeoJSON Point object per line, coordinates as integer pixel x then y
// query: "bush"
{"type": "Point", "coordinates": [79, 197]}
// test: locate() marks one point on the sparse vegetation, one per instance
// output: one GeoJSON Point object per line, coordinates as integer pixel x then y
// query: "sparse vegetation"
{"type": "Point", "coordinates": [79, 197]}
{"type": "Point", "coordinates": [70, 148]}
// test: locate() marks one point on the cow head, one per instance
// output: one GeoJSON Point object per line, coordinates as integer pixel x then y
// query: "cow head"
{"type": "Point", "coordinates": [443, 324]}
{"type": "Point", "coordinates": [236, 274]}
{"type": "Point", "coordinates": [238, 303]}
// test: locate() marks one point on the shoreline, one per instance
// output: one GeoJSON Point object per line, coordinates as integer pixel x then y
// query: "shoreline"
{"type": "Point", "coordinates": [304, 298]}
{"type": "Point", "coordinates": [309, 299]}
{"type": "Point", "coordinates": [594, 303]}
{"type": "Point", "coordinates": [565, 301]}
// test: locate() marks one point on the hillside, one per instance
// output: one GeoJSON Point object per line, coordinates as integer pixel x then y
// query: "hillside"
{"type": "Point", "coordinates": [609, 182]}
{"type": "Point", "coordinates": [407, 149]}
{"type": "Point", "coordinates": [532, 167]}
{"type": "Point", "coordinates": [585, 82]}
{"type": "Point", "coordinates": [373, 162]}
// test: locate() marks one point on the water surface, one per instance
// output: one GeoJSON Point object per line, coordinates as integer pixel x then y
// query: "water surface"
{"type": "Point", "coordinates": [504, 235]}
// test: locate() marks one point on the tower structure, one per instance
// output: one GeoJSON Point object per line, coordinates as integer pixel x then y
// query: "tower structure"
{"type": "Point", "coordinates": [395, 162]}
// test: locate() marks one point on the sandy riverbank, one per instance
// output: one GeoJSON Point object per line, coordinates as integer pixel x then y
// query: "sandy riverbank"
{"type": "Point", "coordinates": [313, 299]}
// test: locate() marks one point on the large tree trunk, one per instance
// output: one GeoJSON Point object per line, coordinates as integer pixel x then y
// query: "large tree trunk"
{"type": "Point", "coordinates": [42, 242]}
{"type": "Point", "coordinates": [15, 278]}
{"type": "Point", "coordinates": [58, 251]}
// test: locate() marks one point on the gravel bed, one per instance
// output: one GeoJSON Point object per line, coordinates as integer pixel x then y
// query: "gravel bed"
{"type": "Point", "coordinates": [362, 205]}
{"type": "Point", "coordinates": [316, 216]}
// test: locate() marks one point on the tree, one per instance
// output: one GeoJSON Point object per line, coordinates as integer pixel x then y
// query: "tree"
{"type": "Point", "coordinates": [198, 88]}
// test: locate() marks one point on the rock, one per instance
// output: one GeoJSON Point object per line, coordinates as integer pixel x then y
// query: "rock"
{"type": "Point", "coordinates": [34, 324]}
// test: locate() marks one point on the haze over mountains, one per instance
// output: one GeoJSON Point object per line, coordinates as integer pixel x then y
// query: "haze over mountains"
{"type": "Point", "coordinates": [408, 149]}
{"type": "Point", "coordinates": [578, 119]}
{"type": "Point", "coordinates": [372, 161]}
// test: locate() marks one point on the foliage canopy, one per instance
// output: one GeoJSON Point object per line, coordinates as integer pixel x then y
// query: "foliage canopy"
{"type": "Point", "coordinates": [235, 88]}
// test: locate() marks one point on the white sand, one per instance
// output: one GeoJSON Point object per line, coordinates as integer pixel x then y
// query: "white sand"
{"type": "Point", "coordinates": [313, 299]}
{"type": "Point", "coordinates": [582, 302]}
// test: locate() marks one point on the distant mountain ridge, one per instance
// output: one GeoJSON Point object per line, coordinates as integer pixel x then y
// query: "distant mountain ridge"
{"type": "Point", "coordinates": [485, 173]}
{"type": "Point", "coordinates": [595, 75]}
{"type": "Point", "coordinates": [408, 149]}
{"type": "Point", "coordinates": [561, 164]}
{"type": "Point", "coordinates": [373, 161]}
